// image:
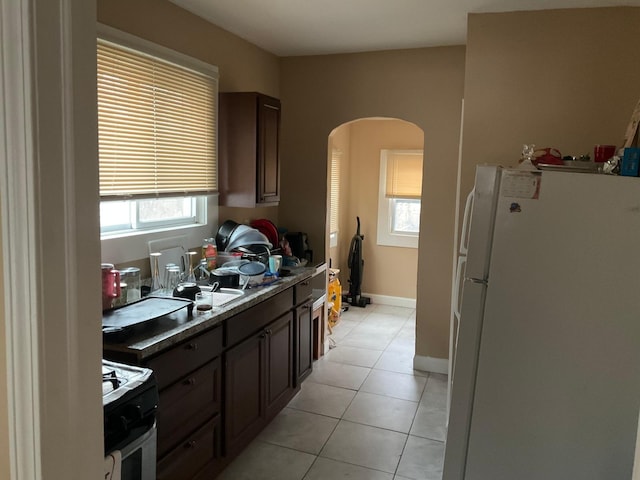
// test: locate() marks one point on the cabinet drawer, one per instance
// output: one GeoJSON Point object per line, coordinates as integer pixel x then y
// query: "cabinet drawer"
{"type": "Point", "coordinates": [302, 290]}
{"type": "Point", "coordinates": [250, 321]}
{"type": "Point", "coordinates": [192, 455]}
{"type": "Point", "coordinates": [187, 404]}
{"type": "Point", "coordinates": [186, 357]}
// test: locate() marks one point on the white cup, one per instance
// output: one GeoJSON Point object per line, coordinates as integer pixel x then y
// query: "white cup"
{"type": "Point", "coordinates": [275, 261]}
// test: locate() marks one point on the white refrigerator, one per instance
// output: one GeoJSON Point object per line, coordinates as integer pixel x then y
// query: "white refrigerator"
{"type": "Point", "coordinates": [546, 380]}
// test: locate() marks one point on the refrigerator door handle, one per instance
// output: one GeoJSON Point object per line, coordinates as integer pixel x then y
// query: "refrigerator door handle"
{"type": "Point", "coordinates": [457, 297]}
{"type": "Point", "coordinates": [464, 241]}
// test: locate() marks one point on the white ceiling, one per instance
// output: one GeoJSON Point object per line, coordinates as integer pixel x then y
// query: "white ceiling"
{"type": "Point", "coordinates": [313, 27]}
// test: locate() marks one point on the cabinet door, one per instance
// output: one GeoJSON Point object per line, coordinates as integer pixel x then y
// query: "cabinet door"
{"type": "Point", "coordinates": [199, 451]}
{"type": "Point", "coordinates": [268, 155]}
{"type": "Point", "coordinates": [187, 404]}
{"type": "Point", "coordinates": [279, 381]}
{"type": "Point", "coordinates": [244, 392]}
{"type": "Point", "coordinates": [304, 333]}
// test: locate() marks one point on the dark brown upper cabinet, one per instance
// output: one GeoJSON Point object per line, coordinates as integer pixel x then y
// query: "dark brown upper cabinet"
{"type": "Point", "coordinates": [248, 149]}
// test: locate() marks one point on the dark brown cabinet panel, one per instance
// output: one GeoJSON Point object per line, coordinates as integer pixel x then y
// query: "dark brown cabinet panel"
{"type": "Point", "coordinates": [187, 404]}
{"type": "Point", "coordinates": [280, 364]}
{"type": "Point", "coordinates": [249, 152]}
{"type": "Point", "coordinates": [244, 386]}
{"type": "Point", "coordinates": [304, 343]}
{"type": "Point", "coordinates": [186, 357]}
{"type": "Point", "coordinates": [258, 382]}
{"type": "Point", "coordinates": [198, 451]}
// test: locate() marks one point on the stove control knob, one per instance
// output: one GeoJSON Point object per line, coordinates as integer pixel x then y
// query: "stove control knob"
{"type": "Point", "coordinates": [130, 414]}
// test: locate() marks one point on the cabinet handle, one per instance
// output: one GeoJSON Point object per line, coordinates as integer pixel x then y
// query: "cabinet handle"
{"type": "Point", "coordinates": [190, 381]}
{"type": "Point", "coordinates": [269, 332]}
{"type": "Point", "coordinates": [306, 307]}
{"type": "Point", "coordinates": [263, 335]}
{"type": "Point", "coordinates": [192, 346]}
{"type": "Point", "coordinates": [190, 444]}
{"type": "Point", "coordinates": [304, 284]}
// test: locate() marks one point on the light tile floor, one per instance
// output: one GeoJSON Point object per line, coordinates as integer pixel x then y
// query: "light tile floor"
{"type": "Point", "coordinates": [363, 414]}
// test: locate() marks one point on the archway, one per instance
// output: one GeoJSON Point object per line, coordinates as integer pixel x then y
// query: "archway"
{"type": "Point", "coordinates": [390, 272]}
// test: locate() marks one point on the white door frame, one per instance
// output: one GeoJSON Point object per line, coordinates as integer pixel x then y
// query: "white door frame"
{"type": "Point", "coordinates": [18, 253]}
{"type": "Point", "coordinates": [50, 240]}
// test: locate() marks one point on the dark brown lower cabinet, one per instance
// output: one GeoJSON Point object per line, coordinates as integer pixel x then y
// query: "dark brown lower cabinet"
{"type": "Point", "coordinates": [220, 388]}
{"type": "Point", "coordinates": [258, 382]}
{"type": "Point", "coordinates": [304, 343]}
{"type": "Point", "coordinates": [279, 381]}
{"type": "Point", "coordinates": [195, 453]}
{"type": "Point", "coordinates": [187, 404]}
{"type": "Point", "coordinates": [244, 400]}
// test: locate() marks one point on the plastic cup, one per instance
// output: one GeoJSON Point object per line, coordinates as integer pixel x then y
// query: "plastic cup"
{"type": "Point", "coordinates": [602, 153]}
{"type": "Point", "coordinates": [275, 262]}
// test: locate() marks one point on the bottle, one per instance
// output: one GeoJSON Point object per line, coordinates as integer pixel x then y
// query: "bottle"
{"type": "Point", "coordinates": [209, 252]}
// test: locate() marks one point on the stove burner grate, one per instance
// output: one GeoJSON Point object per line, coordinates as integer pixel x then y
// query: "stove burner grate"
{"type": "Point", "coordinates": [111, 377]}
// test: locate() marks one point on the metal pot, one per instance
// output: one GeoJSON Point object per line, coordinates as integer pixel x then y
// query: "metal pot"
{"type": "Point", "coordinates": [225, 277]}
{"type": "Point", "coordinates": [252, 273]}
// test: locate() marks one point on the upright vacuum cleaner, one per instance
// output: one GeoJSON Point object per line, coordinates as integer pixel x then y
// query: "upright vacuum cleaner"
{"type": "Point", "coordinates": [356, 266]}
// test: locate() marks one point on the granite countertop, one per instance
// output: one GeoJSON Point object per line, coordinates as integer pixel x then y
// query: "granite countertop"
{"type": "Point", "coordinates": [149, 338]}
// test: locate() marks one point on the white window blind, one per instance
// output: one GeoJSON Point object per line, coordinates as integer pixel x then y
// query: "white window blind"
{"type": "Point", "coordinates": [404, 175]}
{"type": "Point", "coordinates": [156, 126]}
{"type": "Point", "coordinates": [334, 190]}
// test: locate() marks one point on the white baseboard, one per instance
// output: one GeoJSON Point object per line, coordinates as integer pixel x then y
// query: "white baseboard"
{"type": "Point", "coordinates": [431, 364]}
{"type": "Point", "coordinates": [389, 300]}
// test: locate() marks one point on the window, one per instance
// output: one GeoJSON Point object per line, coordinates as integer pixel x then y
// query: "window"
{"type": "Point", "coordinates": [399, 198]}
{"type": "Point", "coordinates": [334, 196]}
{"type": "Point", "coordinates": [156, 133]}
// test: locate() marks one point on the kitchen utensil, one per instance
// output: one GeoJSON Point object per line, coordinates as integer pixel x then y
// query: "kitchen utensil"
{"type": "Point", "coordinates": [110, 285]}
{"type": "Point", "coordinates": [602, 153]}
{"type": "Point", "coordinates": [227, 277]}
{"type": "Point", "coordinates": [203, 302]}
{"type": "Point", "coordinates": [172, 278]}
{"type": "Point", "coordinates": [186, 290]}
{"type": "Point", "coordinates": [268, 229]}
{"type": "Point", "coordinates": [251, 273]}
{"type": "Point", "coordinates": [156, 283]}
{"type": "Point", "coordinates": [149, 308]}
{"type": "Point", "coordinates": [224, 257]}
{"type": "Point", "coordinates": [224, 233]}
{"type": "Point", "coordinates": [548, 156]}
{"type": "Point", "coordinates": [275, 262]}
{"type": "Point", "coordinates": [190, 275]}
{"type": "Point", "coordinates": [131, 277]}
{"type": "Point", "coordinates": [245, 236]}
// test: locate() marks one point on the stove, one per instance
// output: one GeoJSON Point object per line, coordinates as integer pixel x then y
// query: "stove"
{"type": "Point", "coordinates": [130, 400]}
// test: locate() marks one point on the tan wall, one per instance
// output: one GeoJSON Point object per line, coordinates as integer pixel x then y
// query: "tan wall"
{"type": "Point", "coordinates": [388, 270]}
{"type": "Point", "coordinates": [421, 86]}
{"type": "Point", "coordinates": [242, 65]}
{"type": "Point", "coordinates": [572, 84]}
{"type": "Point", "coordinates": [5, 467]}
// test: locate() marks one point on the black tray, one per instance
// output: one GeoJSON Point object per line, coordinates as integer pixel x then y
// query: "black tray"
{"type": "Point", "coordinates": [149, 308]}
